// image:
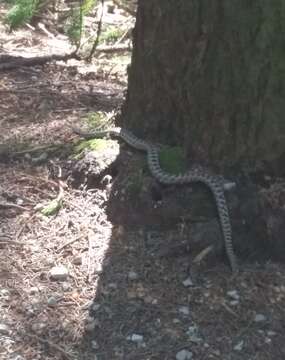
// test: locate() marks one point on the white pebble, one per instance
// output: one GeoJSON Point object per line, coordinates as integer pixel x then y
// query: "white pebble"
{"type": "Point", "coordinates": [135, 338]}
{"type": "Point", "coordinates": [187, 282]}
{"type": "Point", "coordinates": [259, 318]}
{"type": "Point", "coordinates": [4, 329]}
{"type": "Point", "coordinates": [239, 346]}
{"type": "Point", "coordinates": [184, 310]}
{"type": "Point", "coordinates": [59, 273]}
{"type": "Point", "coordinates": [52, 301]}
{"type": "Point", "coordinates": [184, 355]}
{"type": "Point", "coordinates": [233, 294]}
{"type": "Point", "coordinates": [132, 275]}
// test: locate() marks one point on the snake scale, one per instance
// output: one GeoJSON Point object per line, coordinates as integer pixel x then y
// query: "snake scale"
{"type": "Point", "coordinates": [197, 174]}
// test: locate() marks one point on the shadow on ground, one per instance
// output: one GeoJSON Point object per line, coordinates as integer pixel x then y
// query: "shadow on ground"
{"type": "Point", "coordinates": [151, 301]}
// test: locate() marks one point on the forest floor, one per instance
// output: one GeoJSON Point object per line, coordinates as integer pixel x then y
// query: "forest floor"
{"type": "Point", "coordinates": [93, 281]}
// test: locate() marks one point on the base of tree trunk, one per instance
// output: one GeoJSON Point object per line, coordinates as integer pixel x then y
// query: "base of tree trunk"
{"type": "Point", "coordinates": [186, 216]}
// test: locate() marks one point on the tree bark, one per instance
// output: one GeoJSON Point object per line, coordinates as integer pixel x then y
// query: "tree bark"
{"type": "Point", "coordinates": [210, 76]}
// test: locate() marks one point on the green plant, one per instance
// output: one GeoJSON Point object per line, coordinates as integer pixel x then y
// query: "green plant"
{"type": "Point", "coordinates": [111, 34]}
{"type": "Point", "coordinates": [21, 12]}
{"type": "Point", "coordinates": [75, 22]}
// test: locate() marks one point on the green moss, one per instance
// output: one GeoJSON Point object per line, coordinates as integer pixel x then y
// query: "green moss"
{"type": "Point", "coordinates": [95, 119]}
{"type": "Point", "coordinates": [93, 144]}
{"type": "Point", "coordinates": [172, 160]}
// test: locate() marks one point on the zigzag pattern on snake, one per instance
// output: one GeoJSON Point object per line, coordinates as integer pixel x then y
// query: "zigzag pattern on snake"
{"type": "Point", "coordinates": [197, 174]}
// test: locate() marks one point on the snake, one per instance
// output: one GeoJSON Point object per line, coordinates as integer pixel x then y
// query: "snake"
{"type": "Point", "coordinates": [196, 174]}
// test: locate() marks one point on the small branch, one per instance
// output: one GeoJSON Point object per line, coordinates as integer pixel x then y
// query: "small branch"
{"type": "Point", "coordinates": [35, 149]}
{"type": "Point", "coordinates": [7, 205]}
{"type": "Point", "coordinates": [70, 242]}
{"type": "Point", "coordinates": [96, 42]}
{"type": "Point", "coordinates": [113, 49]}
{"type": "Point", "coordinates": [18, 61]}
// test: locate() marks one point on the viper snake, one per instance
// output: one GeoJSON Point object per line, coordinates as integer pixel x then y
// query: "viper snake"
{"type": "Point", "coordinates": [197, 174]}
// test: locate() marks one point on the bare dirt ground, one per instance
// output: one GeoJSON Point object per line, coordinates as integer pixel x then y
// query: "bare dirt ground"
{"type": "Point", "coordinates": [116, 296]}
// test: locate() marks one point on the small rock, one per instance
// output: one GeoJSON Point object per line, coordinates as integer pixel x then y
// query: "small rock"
{"type": "Point", "coordinates": [4, 329]}
{"type": "Point", "coordinates": [4, 292]}
{"type": "Point", "coordinates": [136, 338]}
{"type": "Point", "coordinates": [239, 346]}
{"type": "Point", "coordinates": [95, 306]}
{"type": "Point", "coordinates": [59, 273]}
{"type": "Point", "coordinates": [94, 345]}
{"type": "Point", "coordinates": [66, 286]}
{"type": "Point", "coordinates": [52, 301]}
{"type": "Point", "coordinates": [259, 318]}
{"type": "Point", "coordinates": [184, 355]}
{"type": "Point", "coordinates": [77, 260]}
{"type": "Point", "coordinates": [184, 310]}
{"type": "Point", "coordinates": [34, 290]}
{"type": "Point", "coordinates": [233, 294]}
{"type": "Point", "coordinates": [216, 352]}
{"type": "Point", "coordinates": [271, 333]}
{"type": "Point", "coordinates": [150, 300]}
{"type": "Point", "coordinates": [112, 286]}
{"type": "Point", "coordinates": [91, 325]}
{"type": "Point", "coordinates": [17, 357]}
{"type": "Point", "coordinates": [229, 186]}
{"type": "Point", "coordinates": [187, 282]}
{"type": "Point", "coordinates": [39, 327]}
{"type": "Point", "coordinates": [234, 302]}
{"type": "Point", "coordinates": [193, 335]}
{"type": "Point", "coordinates": [132, 275]}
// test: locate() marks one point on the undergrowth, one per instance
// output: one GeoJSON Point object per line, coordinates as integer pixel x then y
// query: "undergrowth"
{"type": "Point", "coordinates": [21, 12]}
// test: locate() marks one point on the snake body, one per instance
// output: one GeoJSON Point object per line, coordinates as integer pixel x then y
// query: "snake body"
{"type": "Point", "coordinates": [197, 174]}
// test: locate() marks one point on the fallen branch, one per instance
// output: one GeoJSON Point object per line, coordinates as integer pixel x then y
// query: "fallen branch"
{"type": "Point", "coordinates": [113, 49]}
{"type": "Point", "coordinates": [18, 61]}
{"type": "Point", "coordinates": [11, 242]}
{"type": "Point", "coordinates": [36, 149]}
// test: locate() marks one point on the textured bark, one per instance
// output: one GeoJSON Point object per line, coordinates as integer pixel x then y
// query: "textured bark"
{"type": "Point", "coordinates": [210, 75]}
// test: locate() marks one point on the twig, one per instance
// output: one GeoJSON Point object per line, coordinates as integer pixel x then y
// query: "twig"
{"type": "Point", "coordinates": [198, 258]}
{"type": "Point", "coordinates": [70, 242]}
{"type": "Point", "coordinates": [112, 49]}
{"type": "Point", "coordinates": [38, 60]}
{"type": "Point", "coordinates": [7, 205]}
{"type": "Point", "coordinates": [96, 42]}
{"type": "Point", "coordinates": [35, 149]}
{"type": "Point", "coordinates": [229, 309]}
{"type": "Point", "coordinates": [23, 227]}
{"type": "Point", "coordinates": [12, 242]}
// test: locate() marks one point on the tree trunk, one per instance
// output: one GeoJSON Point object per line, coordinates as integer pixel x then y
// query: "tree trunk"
{"type": "Point", "coordinates": [209, 76]}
